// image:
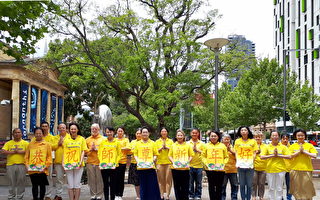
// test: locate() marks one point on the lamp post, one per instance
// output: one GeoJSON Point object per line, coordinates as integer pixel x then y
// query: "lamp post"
{"type": "Point", "coordinates": [285, 52]}
{"type": "Point", "coordinates": [215, 45]}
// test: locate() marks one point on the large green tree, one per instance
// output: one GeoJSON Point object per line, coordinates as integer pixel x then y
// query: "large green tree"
{"type": "Point", "coordinates": [151, 63]}
{"type": "Point", "coordinates": [21, 27]}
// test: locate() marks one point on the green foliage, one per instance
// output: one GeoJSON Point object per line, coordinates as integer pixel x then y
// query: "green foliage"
{"type": "Point", "coordinates": [85, 123]}
{"type": "Point", "coordinates": [21, 26]}
{"type": "Point", "coordinates": [303, 108]}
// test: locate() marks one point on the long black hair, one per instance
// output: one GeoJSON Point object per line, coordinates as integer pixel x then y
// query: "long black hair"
{"type": "Point", "coordinates": [250, 135]}
{"type": "Point", "coordinates": [78, 127]}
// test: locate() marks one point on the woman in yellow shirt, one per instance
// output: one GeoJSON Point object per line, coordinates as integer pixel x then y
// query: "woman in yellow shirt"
{"type": "Point", "coordinates": [72, 160]}
{"type": "Point", "coordinates": [146, 153]}
{"type": "Point", "coordinates": [301, 185]}
{"type": "Point", "coordinates": [121, 169]}
{"type": "Point", "coordinates": [163, 164]}
{"type": "Point", "coordinates": [276, 167]}
{"type": "Point", "coordinates": [180, 155]}
{"type": "Point", "coordinates": [259, 176]}
{"type": "Point", "coordinates": [245, 147]}
{"type": "Point", "coordinates": [214, 157]}
{"type": "Point", "coordinates": [108, 155]}
{"type": "Point", "coordinates": [37, 160]}
{"type": "Point", "coordinates": [230, 170]}
{"type": "Point", "coordinates": [133, 177]}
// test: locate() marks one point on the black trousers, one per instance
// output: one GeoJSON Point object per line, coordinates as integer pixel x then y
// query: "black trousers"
{"type": "Point", "coordinates": [215, 180]}
{"type": "Point", "coordinates": [109, 183]}
{"type": "Point", "coordinates": [120, 171]}
{"type": "Point", "coordinates": [181, 183]}
{"type": "Point", "coordinates": [39, 180]}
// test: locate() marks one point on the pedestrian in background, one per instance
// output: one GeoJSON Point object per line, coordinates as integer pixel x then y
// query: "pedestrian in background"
{"type": "Point", "coordinates": [245, 147]}
{"type": "Point", "coordinates": [285, 142]}
{"type": "Point", "coordinates": [16, 171]}
{"type": "Point", "coordinates": [163, 164]}
{"type": "Point", "coordinates": [230, 170]}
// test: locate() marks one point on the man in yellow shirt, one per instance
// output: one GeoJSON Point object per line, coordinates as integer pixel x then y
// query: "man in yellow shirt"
{"type": "Point", "coordinates": [58, 148]}
{"type": "Point", "coordinates": [16, 171]}
{"type": "Point", "coordinates": [195, 183]}
{"type": "Point", "coordinates": [276, 167]}
{"type": "Point", "coordinates": [94, 175]}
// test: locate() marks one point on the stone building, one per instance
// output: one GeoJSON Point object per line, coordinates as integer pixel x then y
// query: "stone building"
{"type": "Point", "coordinates": [29, 94]}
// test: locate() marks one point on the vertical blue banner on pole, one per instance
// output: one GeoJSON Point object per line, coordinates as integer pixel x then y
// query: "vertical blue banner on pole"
{"type": "Point", "coordinates": [33, 108]}
{"type": "Point", "coordinates": [53, 113]}
{"type": "Point", "coordinates": [44, 104]}
{"type": "Point", "coordinates": [23, 109]}
{"type": "Point", "coordinates": [60, 108]}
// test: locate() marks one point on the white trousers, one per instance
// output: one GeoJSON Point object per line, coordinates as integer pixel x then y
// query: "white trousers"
{"type": "Point", "coordinates": [74, 178]}
{"type": "Point", "coordinates": [275, 183]}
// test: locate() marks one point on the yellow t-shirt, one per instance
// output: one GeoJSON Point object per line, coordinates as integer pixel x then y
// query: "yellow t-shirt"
{"type": "Point", "coordinates": [230, 166]}
{"type": "Point", "coordinates": [93, 155]}
{"type": "Point", "coordinates": [275, 164]}
{"type": "Point", "coordinates": [245, 151]}
{"type": "Point", "coordinates": [302, 162]}
{"type": "Point", "coordinates": [72, 150]}
{"type": "Point", "coordinates": [196, 161]}
{"type": "Point", "coordinates": [260, 164]}
{"type": "Point", "coordinates": [180, 154]}
{"type": "Point", "coordinates": [38, 156]}
{"type": "Point", "coordinates": [215, 156]}
{"type": "Point", "coordinates": [124, 143]}
{"type": "Point", "coordinates": [16, 158]}
{"type": "Point", "coordinates": [145, 151]}
{"type": "Point", "coordinates": [288, 161]}
{"type": "Point", "coordinates": [163, 157]}
{"type": "Point", "coordinates": [133, 144]}
{"type": "Point", "coordinates": [109, 154]}
{"type": "Point", "coordinates": [59, 149]}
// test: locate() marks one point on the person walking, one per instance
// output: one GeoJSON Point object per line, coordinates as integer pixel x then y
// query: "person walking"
{"type": "Point", "coordinates": [163, 164]}
{"type": "Point", "coordinates": [16, 171]}
{"type": "Point", "coordinates": [95, 182]}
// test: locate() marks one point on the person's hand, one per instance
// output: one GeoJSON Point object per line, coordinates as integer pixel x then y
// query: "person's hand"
{"type": "Point", "coordinates": [275, 152]}
{"type": "Point", "coordinates": [301, 149]}
{"type": "Point", "coordinates": [61, 141]}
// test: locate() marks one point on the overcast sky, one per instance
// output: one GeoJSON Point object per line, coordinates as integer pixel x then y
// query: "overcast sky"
{"type": "Point", "coordinates": [251, 18]}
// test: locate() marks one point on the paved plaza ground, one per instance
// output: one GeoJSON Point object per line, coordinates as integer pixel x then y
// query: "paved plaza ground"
{"type": "Point", "coordinates": [129, 193]}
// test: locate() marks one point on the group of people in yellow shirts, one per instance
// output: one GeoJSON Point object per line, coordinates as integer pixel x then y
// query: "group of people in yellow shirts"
{"type": "Point", "coordinates": [155, 165]}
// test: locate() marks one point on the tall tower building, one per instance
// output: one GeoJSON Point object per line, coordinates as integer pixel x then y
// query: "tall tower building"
{"type": "Point", "coordinates": [297, 38]}
{"type": "Point", "coordinates": [241, 44]}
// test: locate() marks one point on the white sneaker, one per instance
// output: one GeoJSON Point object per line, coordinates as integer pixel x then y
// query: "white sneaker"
{"type": "Point", "coordinates": [119, 198]}
{"type": "Point", "coordinates": [116, 198]}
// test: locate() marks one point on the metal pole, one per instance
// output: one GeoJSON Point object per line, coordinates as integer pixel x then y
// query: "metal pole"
{"type": "Point", "coordinates": [216, 117]}
{"type": "Point", "coordinates": [284, 91]}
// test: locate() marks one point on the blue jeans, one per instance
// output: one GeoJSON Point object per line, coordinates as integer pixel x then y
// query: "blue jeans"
{"type": "Point", "coordinates": [287, 177]}
{"type": "Point", "coordinates": [233, 178]}
{"type": "Point", "coordinates": [195, 183]}
{"type": "Point", "coordinates": [245, 180]}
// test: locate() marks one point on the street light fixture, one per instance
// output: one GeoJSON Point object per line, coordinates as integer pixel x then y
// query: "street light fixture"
{"type": "Point", "coordinates": [285, 52]}
{"type": "Point", "coordinates": [215, 45]}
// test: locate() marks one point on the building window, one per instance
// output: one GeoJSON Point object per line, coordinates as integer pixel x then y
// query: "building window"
{"type": "Point", "coordinates": [299, 13]}
{"type": "Point", "coordinates": [312, 13]}
{"type": "Point", "coordinates": [303, 6]}
{"type": "Point", "coordinates": [297, 42]}
{"type": "Point", "coordinates": [312, 74]}
{"type": "Point", "coordinates": [282, 24]}
{"type": "Point", "coordinates": [288, 7]}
